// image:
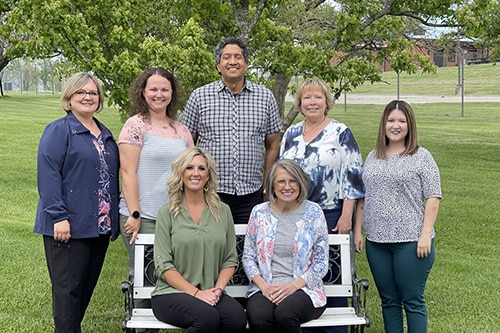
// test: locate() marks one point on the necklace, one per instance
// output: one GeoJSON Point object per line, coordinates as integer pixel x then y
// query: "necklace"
{"type": "Point", "coordinates": [304, 126]}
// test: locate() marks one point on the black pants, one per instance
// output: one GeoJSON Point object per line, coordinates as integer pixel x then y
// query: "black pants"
{"type": "Point", "coordinates": [195, 315]}
{"type": "Point", "coordinates": [241, 205]}
{"type": "Point", "coordinates": [74, 268]}
{"type": "Point", "coordinates": [266, 317]}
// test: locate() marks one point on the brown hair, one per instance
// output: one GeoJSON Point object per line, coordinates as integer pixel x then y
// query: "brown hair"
{"type": "Point", "coordinates": [139, 105]}
{"type": "Point", "coordinates": [411, 140]}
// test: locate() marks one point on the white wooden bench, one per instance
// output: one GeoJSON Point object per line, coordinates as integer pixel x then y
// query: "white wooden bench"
{"type": "Point", "coordinates": [344, 285]}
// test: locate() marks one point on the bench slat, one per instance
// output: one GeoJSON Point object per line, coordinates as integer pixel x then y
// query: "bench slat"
{"type": "Point", "coordinates": [334, 290]}
{"type": "Point", "coordinates": [331, 317]}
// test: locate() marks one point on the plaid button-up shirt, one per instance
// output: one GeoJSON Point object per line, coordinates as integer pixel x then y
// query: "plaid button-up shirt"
{"type": "Point", "coordinates": [232, 128]}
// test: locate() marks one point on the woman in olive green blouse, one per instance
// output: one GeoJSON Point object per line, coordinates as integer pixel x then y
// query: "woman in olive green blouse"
{"type": "Point", "coordinates": [195, 251]}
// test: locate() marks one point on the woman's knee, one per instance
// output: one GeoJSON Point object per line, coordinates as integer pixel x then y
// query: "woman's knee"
{"type": "Point", "coordinates": [233, 318]}
{"type": "Point", "coordinates": [206, 324]}
{"type": "Point", "coordinates": [285, 318]}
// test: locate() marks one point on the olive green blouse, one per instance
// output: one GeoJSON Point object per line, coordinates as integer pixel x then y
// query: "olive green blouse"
{"type": "Point", "coordinates": [197, 251]}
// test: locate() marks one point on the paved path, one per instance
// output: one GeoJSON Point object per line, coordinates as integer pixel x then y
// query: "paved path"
{"type": "Point", "coordinates": [412, 99]}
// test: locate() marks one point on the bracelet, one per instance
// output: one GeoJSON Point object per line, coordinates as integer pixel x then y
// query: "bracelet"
{"type": "Point", "coordinates": [194, 295]}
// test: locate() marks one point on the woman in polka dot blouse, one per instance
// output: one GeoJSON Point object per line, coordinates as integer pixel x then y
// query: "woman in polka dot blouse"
{"type": "Point", "coordinates": [402, 195]}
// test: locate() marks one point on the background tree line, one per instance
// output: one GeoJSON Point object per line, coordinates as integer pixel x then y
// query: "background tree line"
{"type": "Point", "coordinates": [339, 41]}
{"type": "Point", "coordinates": [26, 74]}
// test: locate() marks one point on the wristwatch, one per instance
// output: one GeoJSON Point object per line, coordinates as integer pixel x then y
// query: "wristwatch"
{"type": "Point", "coordinates": [136, 214]}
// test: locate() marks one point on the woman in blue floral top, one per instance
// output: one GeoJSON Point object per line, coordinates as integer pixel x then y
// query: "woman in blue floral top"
{"type": "Point", "coordinates": [285, 254]}
{"type": "Point", "coordinates": [328, 153]}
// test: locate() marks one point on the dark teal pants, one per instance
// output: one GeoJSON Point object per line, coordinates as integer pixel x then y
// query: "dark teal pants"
{"type": "Point", "coordinates": [400, 277]}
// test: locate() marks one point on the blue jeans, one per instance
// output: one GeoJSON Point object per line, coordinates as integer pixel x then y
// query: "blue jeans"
{"type": "Point", "coordinates": [400, 277]}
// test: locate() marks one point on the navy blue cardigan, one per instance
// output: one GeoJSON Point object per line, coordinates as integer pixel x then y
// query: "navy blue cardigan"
{"type": "Point", "coordinates": [68, 178]}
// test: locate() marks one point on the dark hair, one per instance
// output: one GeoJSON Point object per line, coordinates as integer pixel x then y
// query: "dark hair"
{"type": "Point", "coordinates": [227, 41]}
{"type": "Point", "coordinates": [297, 173]}
{"type": "Point", "coordinates": [139, 105]}
{"type": "Point", "coordinates": [411, 139]}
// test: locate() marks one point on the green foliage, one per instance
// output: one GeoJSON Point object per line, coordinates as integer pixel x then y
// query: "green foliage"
{"type": "Point", "coordinates": [340, 41]}
{"type": "Point", "coordinates": [481, 21]}
{"type": "Point", "coordinates": [116, 40]}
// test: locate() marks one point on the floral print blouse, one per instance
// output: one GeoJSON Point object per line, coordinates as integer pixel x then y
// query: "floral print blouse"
{"type": "Point", "coordinates": [332, 160]}
{"type": "Point", "coordinates": [310, 250]}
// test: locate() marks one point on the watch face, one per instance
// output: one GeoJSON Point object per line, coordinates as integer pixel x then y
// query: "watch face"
{"type": "Point", "coordinates": [136, 214]}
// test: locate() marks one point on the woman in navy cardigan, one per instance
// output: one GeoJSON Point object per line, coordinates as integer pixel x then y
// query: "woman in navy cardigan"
{"type": "Point", "coordinates": [77, 213]}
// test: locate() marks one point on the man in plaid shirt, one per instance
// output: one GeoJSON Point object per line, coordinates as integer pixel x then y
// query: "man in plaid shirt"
{"type": "Point", "coordinates": [234, 119]}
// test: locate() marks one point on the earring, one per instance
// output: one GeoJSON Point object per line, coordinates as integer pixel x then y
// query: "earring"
{"type": "Point", "coordinates": [205, 188]}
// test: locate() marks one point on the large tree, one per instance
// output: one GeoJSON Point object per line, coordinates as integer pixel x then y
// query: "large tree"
{"type": "Point", "coordinates": [340, 41]}
{"type": "Point", "coordinates": [481, 20]}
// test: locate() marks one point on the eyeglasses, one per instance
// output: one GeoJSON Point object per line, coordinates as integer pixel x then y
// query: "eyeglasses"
{"type": "Point", "coordinates": [282, 183]}
{"type": "Point", "coordinates": [83, 93]}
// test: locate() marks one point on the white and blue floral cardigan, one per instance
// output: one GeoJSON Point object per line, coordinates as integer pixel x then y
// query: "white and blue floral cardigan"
{"type": "Point", "coordinates": [310, 249]}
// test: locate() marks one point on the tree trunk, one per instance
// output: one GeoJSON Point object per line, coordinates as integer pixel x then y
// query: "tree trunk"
{"type": "Point", "coordinates": [4, 61]}
{"type": "Point", "coordinates": [290, 117]}
{"type": "Point", "coordinates": [280, 91]}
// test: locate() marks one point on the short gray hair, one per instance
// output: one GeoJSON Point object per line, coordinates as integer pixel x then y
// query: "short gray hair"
{"type": "Point", "coordinates": [295, 170]}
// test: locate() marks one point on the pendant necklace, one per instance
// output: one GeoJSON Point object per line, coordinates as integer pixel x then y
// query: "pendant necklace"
{"type": "Point", "coordinates": [304, 126]}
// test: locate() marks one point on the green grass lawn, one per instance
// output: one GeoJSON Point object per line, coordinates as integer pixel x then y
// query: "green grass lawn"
{"type": "Point", "coordinates": [478, 80]}
{"type": "Point", "coordinates": [462, 292]}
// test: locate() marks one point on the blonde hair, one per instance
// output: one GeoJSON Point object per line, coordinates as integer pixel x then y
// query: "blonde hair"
{"type": "Point", "coordinates": [411, 139]}
{"type": "Point", "coordinates": [314, 83]}
{"type": "Point", "coordinates": [176, 185]}
{"type": "Point", "coordinates": [76, 82]}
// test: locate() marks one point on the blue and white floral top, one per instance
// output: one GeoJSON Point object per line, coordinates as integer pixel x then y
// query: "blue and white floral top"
{"type": "Point", "coordinates": [332, 160]}
{"type": "Point", "coordinates": [310, 249]}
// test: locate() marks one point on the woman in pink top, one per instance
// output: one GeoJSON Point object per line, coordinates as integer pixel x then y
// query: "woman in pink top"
{"type": "Point", "coordinates": [149, 142]}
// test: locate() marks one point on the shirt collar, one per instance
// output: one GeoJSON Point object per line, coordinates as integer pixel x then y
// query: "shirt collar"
{"type": "Point", "coordinates": [76, 126]}
{"type": "Point", "coordinates": [247, 85]}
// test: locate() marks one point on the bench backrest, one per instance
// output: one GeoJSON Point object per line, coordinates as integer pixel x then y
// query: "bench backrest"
{"type": "Point", "coordinates": [338, 281]}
